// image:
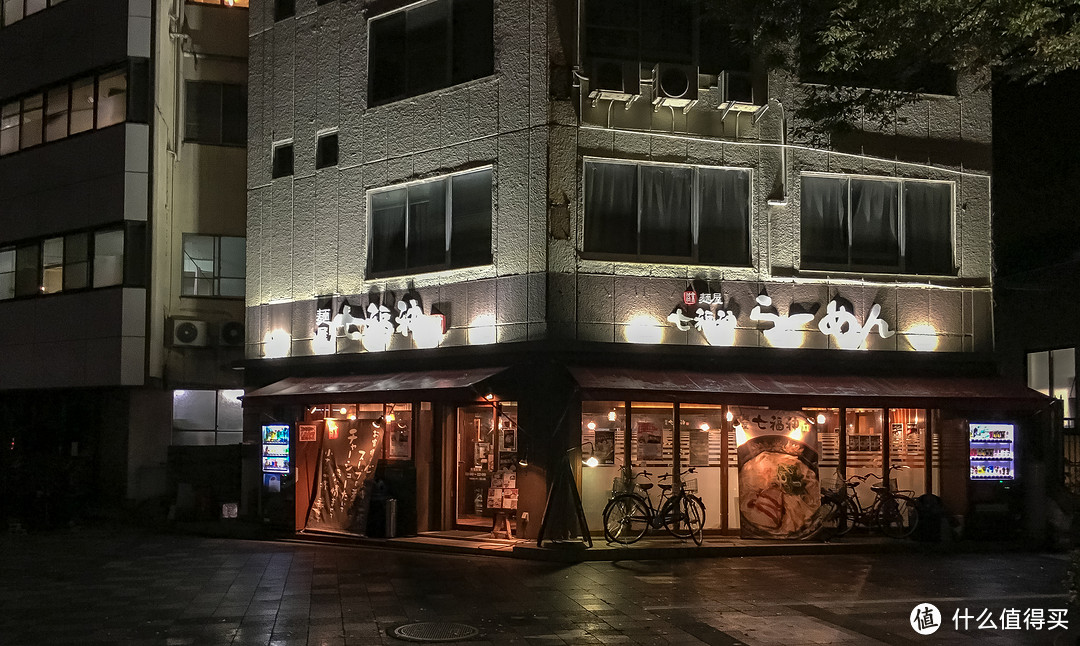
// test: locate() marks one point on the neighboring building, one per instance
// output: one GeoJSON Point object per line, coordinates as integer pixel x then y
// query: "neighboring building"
{"type": "Point", "coordinates": [122, 162]}
{"type": "Point", "coordinates": [512, 232]}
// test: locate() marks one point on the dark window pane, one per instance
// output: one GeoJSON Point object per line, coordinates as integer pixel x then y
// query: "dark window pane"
{"type": "Point", "coordinates": [32, 120]}
{"type": "Point", "coordinates": [824, 221]}
{"type": "Point", "coordinates": [875, 239]}
{"type": "Point", "coordinates": [427, 224]}
{"type": "Point", "coordinates": [9, 128]}
{"type": "Point", "coordinates": [7, 273]}
{"type": "Point", "coordinates": [108, 266]}
{"type": "Point", "coordinates": [111, 101]}
{"type": "Point", "coordinates": [474, 40]}
{"type": "Point", "coordinates": [233, 114]}
{"type": "Point", "coordinates": [387, 243]}
{"type": "Point", "coordinates": [284, 9]}
{"type": "Point", "coordinates": [76, 260]}
{"type": "Point", "coordinates": [611, 29]}
{"type": "Point", "coordinates": [82, 105]}
{"type": "Point", "coordinates": [928, 245]}
{"type": "Point", "coordinates": [387, 63]}
{"type": "Point", "coordinates": [56, 113]}
{"type": "Point", "coordinates": [282, 161]}
{"type": "Point", "coordinates": [470, 242]}
{"type": "Point", "coordinates": [611, 209]}
{"type": "Point", "coordinates": [724, 217]}
{"type": "Point", "coordinates": [666, 211]}
{"type": "Point", "coordinates": [202, 113]}
{"type": "Point", "coordinates": [667, 33]}
{"type": "Point", "coordinates": [326, 150]}
{"type": "Point", "coordinates": [27, 266]}
{"type": "Point", "coordinates": [428, 57]}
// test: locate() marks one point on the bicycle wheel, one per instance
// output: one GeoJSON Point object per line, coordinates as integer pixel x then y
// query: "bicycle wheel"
{"type": "Point", "coordinates": [844, 515]}
{"type": "Point", "coordinates": [697, 518]}
{"type": "Point", "coordinates": [682, 518]}
{"type": "Point", "coordinates": [897, 516]}
{"type": "Point", "coordinates": [626, 517]}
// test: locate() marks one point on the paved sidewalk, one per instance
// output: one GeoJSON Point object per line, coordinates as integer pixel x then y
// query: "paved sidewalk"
{"type": "Point", "coordinates": [97, 587]}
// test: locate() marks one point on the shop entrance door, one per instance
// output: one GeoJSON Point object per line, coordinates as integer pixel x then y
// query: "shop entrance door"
{"type": "Point", "coordinates": [486, 466]}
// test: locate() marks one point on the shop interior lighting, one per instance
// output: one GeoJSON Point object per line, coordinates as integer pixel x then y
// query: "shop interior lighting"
{"type": "Point", "coordinates": [489, 396]}
{"type": "Point", "coordinates": [523, 461]}
{"type": "Point", "coordinates": [730, 416]}
{"type": "Point", "coordinates": [611, 416]}
{"type": "Point", "coordinates": [740, 435]}
{"type": "Point", "coordinates": [821, 418]}
{"type": "Point", "coordinates": [591, 426]}
{"type": "Point", "coordinates": [704, 426]}
{"type": "Point", "coordinates": [590, 461]}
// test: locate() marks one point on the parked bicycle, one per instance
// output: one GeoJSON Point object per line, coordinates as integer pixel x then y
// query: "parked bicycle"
{"type": "Point", "coordinates": [629, 514]}
{"type": "Point", "coordinates": [893, 512]}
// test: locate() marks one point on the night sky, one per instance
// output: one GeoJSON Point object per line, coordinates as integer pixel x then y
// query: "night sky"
{"type": "Point", "coordinates": [1036, 174]}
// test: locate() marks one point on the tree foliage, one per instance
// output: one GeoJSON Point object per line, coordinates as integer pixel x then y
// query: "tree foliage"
{"type": "Point", "coordinates": [873, 56]}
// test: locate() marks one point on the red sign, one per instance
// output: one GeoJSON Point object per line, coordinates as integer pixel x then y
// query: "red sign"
{"type": "Point", "coordinates": [689, 297]}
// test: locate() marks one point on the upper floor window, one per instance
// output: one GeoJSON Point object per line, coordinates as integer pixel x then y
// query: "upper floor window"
{"type": "Point", "coordinates": [213, 266]}
{"type": "Point", "coordinates": [896, 226]}
{"type": "Point", "coordinates": [435, 224]}
{"type": "Point", "coordinates": [429, 46]}
{"type": "Point", "coordinates": [83, 104]}
{"type": "Point", "coordinates": [215, 113]}
{"type": "Point", "coordinates": [12, 11]}
{"type": "Point", "coordinates": [70, 262]}
{"type": "Point", "coordinates": [1053, 373]}
{"type": "Point", "coordinates": [665, 212]}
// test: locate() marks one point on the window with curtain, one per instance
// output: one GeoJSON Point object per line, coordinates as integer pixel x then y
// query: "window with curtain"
{"type": "Point", "coordinates": [668, 212]}
{"type": "Point", "coordinates": [896, 226]}
{"type": "Point", "coordinates": [440, 223]}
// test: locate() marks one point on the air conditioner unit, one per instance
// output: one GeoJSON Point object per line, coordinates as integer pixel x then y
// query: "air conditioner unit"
{"type": "Point", "coordinates": [231, 333]}
{"type": "Point", "coordinates": [737, 87]}
{"type": "Point", "coordinates": [188, 333]}
{"type": "Point", "coordinates": [675, 86]}
{"type": "Point", "coordinates": [614, 79]}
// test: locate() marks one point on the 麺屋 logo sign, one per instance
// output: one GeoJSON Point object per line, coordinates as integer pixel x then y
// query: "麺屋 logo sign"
{"type": "Point", "coordinates": [714, 316]}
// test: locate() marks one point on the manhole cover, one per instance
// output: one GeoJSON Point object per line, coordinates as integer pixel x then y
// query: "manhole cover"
{"type": "Point", "coordinates": [433, 631]}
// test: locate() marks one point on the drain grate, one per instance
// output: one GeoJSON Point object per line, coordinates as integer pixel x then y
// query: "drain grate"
{"type": "Point", "coordinates": [434, 631]}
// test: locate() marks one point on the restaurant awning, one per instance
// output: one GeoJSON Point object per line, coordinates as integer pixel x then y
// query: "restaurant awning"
{"type": "Point", "coordinates": [364, 388]}
{"type": "Point", "coordinates": [963, 393]}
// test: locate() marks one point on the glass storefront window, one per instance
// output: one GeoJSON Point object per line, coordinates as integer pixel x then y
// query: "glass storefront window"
{"type": "Point", "coordinates": [487, 459]}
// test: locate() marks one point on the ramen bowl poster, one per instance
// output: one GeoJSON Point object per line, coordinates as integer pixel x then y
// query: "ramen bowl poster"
{"type": "Point", "coordinates": [779, 491]}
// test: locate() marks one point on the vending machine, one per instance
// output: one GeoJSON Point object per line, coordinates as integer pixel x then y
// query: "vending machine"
{"type": "Point", "coordinates": [993, 451]}
{"type": "Point", "coordinates": [275, 455]}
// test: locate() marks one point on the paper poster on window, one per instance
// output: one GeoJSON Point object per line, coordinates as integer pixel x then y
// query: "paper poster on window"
{"type": "Point", "coordinates": [604, 441]}
{"type": "Point", "coordinates": [650, 441]}
{"type": "Point", "coordinates": [400, 440]}
{"type": "Point", "coordinates": [779, 491]}
{"type": "Point", "coordinates": [699, 448]}
{"type": "Point", "coordinates": [509, 440]}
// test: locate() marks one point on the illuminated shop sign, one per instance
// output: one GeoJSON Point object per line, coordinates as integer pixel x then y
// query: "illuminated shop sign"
{"type": "Point", "coordinates": [376, 325]}
{"type": "Point", "coordinates": [715, 318]}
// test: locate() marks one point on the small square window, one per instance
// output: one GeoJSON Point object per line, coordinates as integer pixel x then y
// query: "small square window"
{"type": "Point", "coordinates": [284, 9]}
{"type": "Point", "coordinates": [282, 160]}
{"type": "Point", "coordinates": [326, 150]}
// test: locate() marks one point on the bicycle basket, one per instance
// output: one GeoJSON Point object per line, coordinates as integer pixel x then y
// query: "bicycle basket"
{"type": "Point", "coordinates": [622, 485]}
{"type": "Point", "coordinates": [893, 485]}
{"type": "Point", "coordinates": [690, 485]}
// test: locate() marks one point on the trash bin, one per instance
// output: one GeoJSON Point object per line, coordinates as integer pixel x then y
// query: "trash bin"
{"type": "Point", "coordinates": [391, 517]}
{"type": "Point", "coordinates": [931, 515]}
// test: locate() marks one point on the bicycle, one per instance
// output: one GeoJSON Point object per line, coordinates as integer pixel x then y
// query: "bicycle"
{"type": "Point", "coordinates": [628, 514]}
{"type": "Point", "coordinates": [893, 513]}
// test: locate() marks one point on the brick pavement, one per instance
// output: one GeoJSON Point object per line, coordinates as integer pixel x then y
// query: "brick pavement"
{"type": "Point", "coordinates": [121, 586]}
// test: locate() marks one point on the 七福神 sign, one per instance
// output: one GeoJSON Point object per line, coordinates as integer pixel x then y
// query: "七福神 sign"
{"type": "Point", "coordinates": [716, 320]}
{"type": "Point", "coordinates": [375, 326]}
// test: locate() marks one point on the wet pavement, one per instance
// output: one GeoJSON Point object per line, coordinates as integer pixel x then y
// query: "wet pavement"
{"type": "Point", "coordinates": [99, 586]}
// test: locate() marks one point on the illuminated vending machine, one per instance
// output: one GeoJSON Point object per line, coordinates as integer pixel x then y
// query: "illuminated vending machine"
{"type": "Point", "coordinates": [995, 501]}
{"type": "Point", "coordinates": [275, 456]}
{"type": "Point", "coordinates": [993, 451]}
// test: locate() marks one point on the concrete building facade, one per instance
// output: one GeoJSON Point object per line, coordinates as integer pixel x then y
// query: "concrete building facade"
{"type": "Point", "coordinates": [651, 229]}
{"type": "Point", "coordinates": [103, 181]}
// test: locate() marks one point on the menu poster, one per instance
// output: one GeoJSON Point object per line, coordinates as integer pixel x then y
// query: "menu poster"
{"type": "Point", "coordinates": [604, 445]}
{"type": "Point", "coordinates": [307, 432]}
{"type": "Point", "coordinates": [494, 498]}
{"type": "Point", "coordinates": [699, 448]}
{"type": "Point", "coordinates": [649, 441]}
